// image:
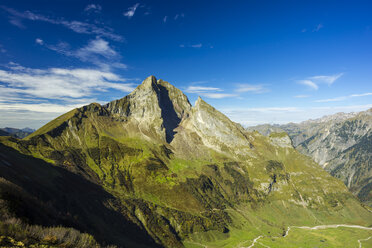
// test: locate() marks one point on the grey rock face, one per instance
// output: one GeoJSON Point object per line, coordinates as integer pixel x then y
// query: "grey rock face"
{"type": "Point", "coordinates": [340, 143]}
{"type": "Point", "coordinates": [159, 111]}
{"type": "Point", "coordinates": [154, 107]}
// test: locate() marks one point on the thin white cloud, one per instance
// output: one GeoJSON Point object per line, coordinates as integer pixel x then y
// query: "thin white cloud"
{"type": "Point", "coordinates": [177, 16]}
{"type": "Point", "coordinates": [2, 49]}
{"type": "Point", "coordinates": [343, 98]}
{"type": "Point", "coordinates": [209, 92]}
{"type": "Point", "coordinates": [131, 11]}
{"type": "Point", "coordinates": [93, 8]}
{"type": "Point", "coordinates": [97, 52]}
{"type": "Point", "coordinates": [17, 17]}
{"type": "Point", "coordinates": [35, 96]}
{"type": "Point", "coordinates": [97, 46]}
{"type": "Point", "coordinates": [308, 83]}
{"type": "Point", "coordinates": [165, 19]}
{"type": "Point", "coordinates": [301, 96]}
{"type": "Point", "coordinates": [218, 95]}
{"type": "Point", "coordinates": [199, 45]}
{"type": "Point", "coordinates": [41, 107]}
{"type": "Point", "coordinates": [58, 82]}
{"type": "Point", "coordinates": [199, 89]}
{"type": "Point", "coordinates": [39, 41]}
{"type": "Point", "coordinates": [314, 81]}
{"type": "Point", "coordinates": [327, 79]}
{"type": "Point", "coordinates": [318, 27]}
{"type": "Point", "coordinates": [242, 88]}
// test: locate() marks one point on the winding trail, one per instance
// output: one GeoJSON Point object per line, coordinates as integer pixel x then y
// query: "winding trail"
{"type": "Point", "coordinates": [360, 241]}
{"type": "Point", "coordinates": [317, 228]}
{"type": "Point", "coordinates": [332, 226]}
{"type": "Point", "coordinates": [254, 241]}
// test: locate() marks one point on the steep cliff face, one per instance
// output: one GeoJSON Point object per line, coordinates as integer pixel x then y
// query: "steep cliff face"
{"type": "Point", "coordinates": [340, 143]}
{"type": "Point", "coordinates": [153, 108]}
{"type": "Point", "coordinates": [180, 174]}
{"type": "Point", "coordinates": [208, 128]}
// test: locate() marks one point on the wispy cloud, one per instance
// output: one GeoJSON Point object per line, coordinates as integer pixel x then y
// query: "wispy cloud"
{"type": "Point", "coordinates": [327, 79]}
{"type": "Point", "coordinates": [218, 95]}
{"type": "Point", "coordinates": [199, 89]}
{"type": "Point", "coordinates": [58, 83]}
{"type": "Point", "coordinates": [318, 27]}
{"type": "Point", "coordinates": [41, 107]}
{"type": "Point", "coordinates": [97, 52]}
{"type": "Point", "coordinates": [209, 92]}
{"type": "Point", "coordinates": [258, 88]}
{"type": "Point", "coordinates": [39, 41]}
{"type": "Point", "coordinates": [308, 83]}
{"type": "Point", "coordinates": [16, 18]}
{"type": "Point", "coordinates": [165, 19]}
{"type": "Point", "coordinates": [314, 81]}
{"type": "Point", "coordinates": [177, 16]}
{"type": "Point", "coordinates": [197, 45]}
{"type": "Point", "coordinates": [35, 96]}
{"type": "Point", "coordinates": [342, 98]}
{"type": "Point", "coordinates": [131, 11]}
{"type": "Point", "coordinates": [93, 8]}
{"type": "Point", "coordinates": [2, 49]}
{"type": "Point", "coordinates": [97, 46]}
{"type": "Point", "coordinates": [301, 96]}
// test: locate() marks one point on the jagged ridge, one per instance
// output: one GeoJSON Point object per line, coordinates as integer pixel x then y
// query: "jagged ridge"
{"type": "Point", "coordinates": [183, 174]}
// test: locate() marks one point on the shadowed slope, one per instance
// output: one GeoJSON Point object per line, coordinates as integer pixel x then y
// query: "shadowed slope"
{"type": "Point", "coordinates": [214, 182]}
{"type": "Point", "coordinates": [169, 115]}
{"type": "Point", "coordinates": [60, 197]}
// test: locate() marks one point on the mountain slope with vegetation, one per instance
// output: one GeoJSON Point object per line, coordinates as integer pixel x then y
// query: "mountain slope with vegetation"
{"type": "Point", "coordinates": [340, 143]}
{"type": "Point", "coordinates": [152, 170]}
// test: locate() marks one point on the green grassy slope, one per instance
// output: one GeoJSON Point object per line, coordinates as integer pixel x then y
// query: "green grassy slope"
{"type": "Point", "coordinates": [189, 191]}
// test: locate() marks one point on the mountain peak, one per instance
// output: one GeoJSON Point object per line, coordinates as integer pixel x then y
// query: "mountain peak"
{"type": "Point", "coordinates": [155, 107]}
{"type": "Point", "coordinates": [149, 80]}
{"type": "Point", "coordinates": [149, 83]}
{"type": "Point", "coordinates": [199, 101]}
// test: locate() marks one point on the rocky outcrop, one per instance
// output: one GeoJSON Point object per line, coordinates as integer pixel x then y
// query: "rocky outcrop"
{"type": "Point", "coordinates": [209, 128]}
{"type": "Point", "coordinates": [172, 173]}
{"type": "Point", "coordinates": [340, 143]}
{"type": "Point", "coordinates": [153, 108]}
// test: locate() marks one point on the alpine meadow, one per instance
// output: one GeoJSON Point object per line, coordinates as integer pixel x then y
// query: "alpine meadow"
{"type": "Point", "coordinates": [192, 124]}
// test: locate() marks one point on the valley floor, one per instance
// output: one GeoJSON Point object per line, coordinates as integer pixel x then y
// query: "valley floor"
{"type": "Point", "coordinates": [337, 235]}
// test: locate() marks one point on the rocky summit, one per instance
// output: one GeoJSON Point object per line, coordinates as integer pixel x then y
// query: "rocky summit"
{"type": "Point", "coordinates": [151, 170]}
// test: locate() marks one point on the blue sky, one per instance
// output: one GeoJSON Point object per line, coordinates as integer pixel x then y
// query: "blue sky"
{"type": "Point", "coordinates": [256, 61]}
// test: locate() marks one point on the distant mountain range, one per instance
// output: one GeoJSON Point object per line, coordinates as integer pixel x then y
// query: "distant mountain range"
{"type": "Point", "coordinates": [340, 143]}
{"type": "Point", "coordinates": [15, 132]}
{"type": "Point", "coordinates": [151, 170]}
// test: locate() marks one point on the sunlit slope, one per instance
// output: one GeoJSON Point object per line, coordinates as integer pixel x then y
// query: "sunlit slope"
{"type": "Point", "coordinates": [187, 174]}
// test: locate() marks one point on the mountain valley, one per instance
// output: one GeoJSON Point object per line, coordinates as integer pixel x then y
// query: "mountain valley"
{"type": "Point", "coordinates": [340, 143]}
{"type": "Point", "coordinates": [152, 170]}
